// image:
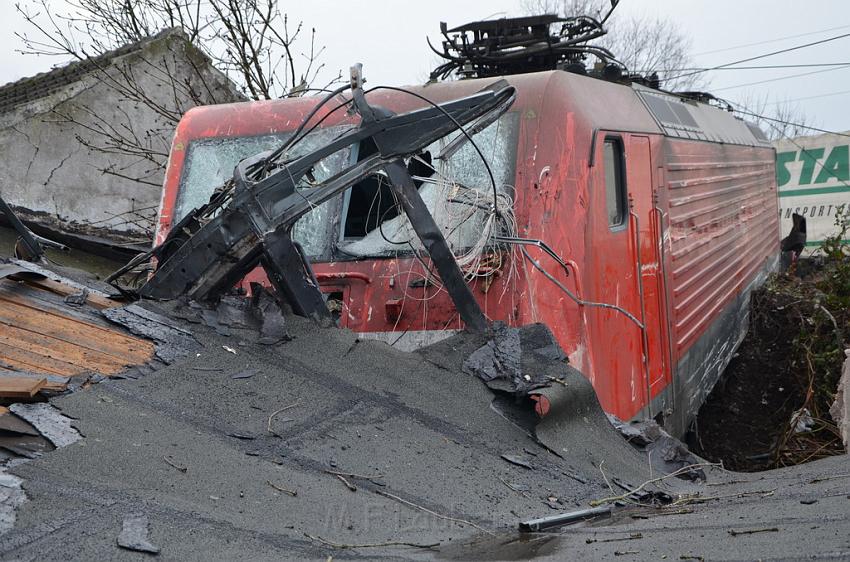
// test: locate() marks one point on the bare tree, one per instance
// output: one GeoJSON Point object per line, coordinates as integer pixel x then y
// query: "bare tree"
{"type": "Point", "coordinates": [777, 118]}
{"type": "Point", "coordinates": [251, 42]}
{"type": "Point", "coordinates": [646, 45]}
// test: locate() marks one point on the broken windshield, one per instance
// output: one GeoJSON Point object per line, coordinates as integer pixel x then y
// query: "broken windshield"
{"type": "Point", "coordinates": [210, 162]}
{"type": "Point", "coordinates": [457, 190]}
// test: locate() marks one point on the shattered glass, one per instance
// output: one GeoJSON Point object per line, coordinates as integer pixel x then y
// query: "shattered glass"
{"type": "Point", "coordinates": [459, 194]}
{"type": "Point", "coordinates": [210, 162]}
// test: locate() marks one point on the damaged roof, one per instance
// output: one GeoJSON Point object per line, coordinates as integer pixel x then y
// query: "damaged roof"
{"type": "Point", "coordinates": [52, 334]}
{"type": "Point", "coordinates": [325, 445]}
{"type": "Point", "coordinates": [44, 84]}
{"type": "Point", "coordinates": [244, 438]}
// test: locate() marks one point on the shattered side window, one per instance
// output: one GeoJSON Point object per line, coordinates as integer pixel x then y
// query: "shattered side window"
{"type": "Point", "coordinates": [210, 162]}
{"type": "Point", "coordinates": [457, 191]}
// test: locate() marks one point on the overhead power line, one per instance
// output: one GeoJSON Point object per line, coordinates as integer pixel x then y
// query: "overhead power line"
{"type": "Point", "coordinates": [758, 67]}
{"type": "Point", "coordinates": [725, 49]}
{"type": "Point", "coordinates": [780, 78]}
{"type": "Point", "coordinates": [774, 120]}
{"type": "Point", "coordinates": [810, 97]}
{"type": "Point", "coordinates": [718, 67]}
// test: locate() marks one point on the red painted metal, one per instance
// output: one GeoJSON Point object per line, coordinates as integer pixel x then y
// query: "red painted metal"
{"type": "Point", "coordinates": [704, 223]}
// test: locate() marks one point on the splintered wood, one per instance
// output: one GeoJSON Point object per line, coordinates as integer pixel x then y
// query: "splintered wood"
{"type": "Point", "coordinates": [45, 342]}
{"type": "Point", "coordinates": [93, 299]}
{"type": "Point", "coordinates": [20, 387]}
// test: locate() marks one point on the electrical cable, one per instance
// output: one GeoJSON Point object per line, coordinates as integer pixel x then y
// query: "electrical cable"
{"type": "Point", "coordinates": [789, 49]}
{"type": "Point", "coordinates": [770, 41]}
{"type": "Point", "coordinates": [781, 78]}
{"type": "Point", "coordinates": [460, 128]}
{"type": "Point", "coordinates": [810, 97]}
{"type": "Point", "coordinates": [741, 111]}
{"type": "Point", "coordinates": [575, 298]}
{"type": "Point", "coordinates": [757, 67]}
{"type": "Point", "coordinates": [265, 164]}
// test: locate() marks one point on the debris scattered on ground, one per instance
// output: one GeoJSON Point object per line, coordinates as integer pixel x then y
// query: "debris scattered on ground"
{"type": "Point", "coordinates": [553, 521]}
{"type": "Point", "coordinates": [11, 497]}
{"type": "Point", "coordinates": [292, 493]}
{"type": "Point", "coordinates": [801, 421]}
{"type": "Point", "coordinates": [666, 453]}
{"type": "Point", "coordinates": [170, 462]}
{"type": "Point", "coordinates": [172, 341]}
{"type": "Point", "coordinates": [518, 461]}
{"type": "Point", "coordinates": [50, 346]}
{"type": "Point", "coordinates": [77, 299]}
{"type": "Point", "coordinates": [245, 374]}
{"type": "Point", "coordinates": [735, 532]}
{"type": "Point", "coordinates": [502, 365]}
{"type": "Point", "coordinates": [49, 422]}
{"type": "Point", "coordinates": [134, 535]}
{"type": "Point", "coordinates": [20, 387]}
{"type": "Point", "coordinates": [275, 413]}
{"type": "Point", "coordinates": [348, 484]}
{"type": "Point", "coordinates": [783, 379]}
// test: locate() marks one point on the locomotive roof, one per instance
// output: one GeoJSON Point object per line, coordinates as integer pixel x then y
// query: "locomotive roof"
{"type": "Point", "coordinates": [595, 103]}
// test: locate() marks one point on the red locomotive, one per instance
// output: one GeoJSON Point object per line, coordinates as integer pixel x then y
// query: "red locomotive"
{"type": "Point", "coordinates": [632, 221]}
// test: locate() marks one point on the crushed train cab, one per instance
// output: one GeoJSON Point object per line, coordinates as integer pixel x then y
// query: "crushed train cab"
{"type": "Point", "coordinates": [631, 221]}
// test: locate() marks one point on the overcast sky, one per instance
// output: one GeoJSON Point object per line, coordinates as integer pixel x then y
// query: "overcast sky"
{"type": "Point", "coordinates": [388, 37]}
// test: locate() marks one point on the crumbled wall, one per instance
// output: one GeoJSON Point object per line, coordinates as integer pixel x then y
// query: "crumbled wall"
{"type": "Point", "coordinates": [49, 174]}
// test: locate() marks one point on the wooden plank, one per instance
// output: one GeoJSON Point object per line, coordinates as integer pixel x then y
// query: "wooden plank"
{"type": "Point", "coordinates": [20, 387]}
{"type": "Point", "coordinates": [55, 386]}
{"type": "Point", "coordinates": [92, 360]}
{"type": "Point", "coordinates": [74, 331]}
{"type": "Point", "coordinates": [28, 360]}
{"type": "Point", "coordinates": [50, 302]}
{"type": "Point", "coordinates": [97, 301]}
{"type": "Point", "coordinates": [56, 383]}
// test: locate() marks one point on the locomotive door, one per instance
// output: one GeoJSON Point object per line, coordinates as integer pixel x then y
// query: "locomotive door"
{"type": "Point", "coordinates": [628, 360]}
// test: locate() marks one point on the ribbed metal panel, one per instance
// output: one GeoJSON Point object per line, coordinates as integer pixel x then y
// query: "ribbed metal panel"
{"type": "Point", "coordinates": [723, 225]}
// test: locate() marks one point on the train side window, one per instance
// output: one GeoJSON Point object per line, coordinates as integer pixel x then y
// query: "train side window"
{"type": "Point", "coordinates": [615, 182]}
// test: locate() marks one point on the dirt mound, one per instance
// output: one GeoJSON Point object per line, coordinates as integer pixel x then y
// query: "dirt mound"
{"type": "Point", "coordinates": [771, 408]}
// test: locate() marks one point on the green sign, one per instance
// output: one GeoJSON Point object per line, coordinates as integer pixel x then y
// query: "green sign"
{"type": "Point", "coordinates": [818, 168]}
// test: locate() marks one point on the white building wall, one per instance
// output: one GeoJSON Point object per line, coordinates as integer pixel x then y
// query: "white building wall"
{"type": "Point", "coordinates": [813, 175]}
{"type": "Point", "coordinates": [50, 176]}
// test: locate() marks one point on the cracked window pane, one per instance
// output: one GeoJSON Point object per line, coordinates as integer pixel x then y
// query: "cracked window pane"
{"type": "Point", "coordinates": [458, 193]}
{"type": "Point", "coordinates": [210, 162]}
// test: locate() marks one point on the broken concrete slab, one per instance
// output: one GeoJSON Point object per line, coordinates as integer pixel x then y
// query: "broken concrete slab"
{"type": "Point", "coordinates": [49, 422]}
{"type": "Point", "coordinates": [134, 535]}
{"type": "Point", "coordinates": [172, 341]}
{"type": "Point", "coordinates": [11, 497]}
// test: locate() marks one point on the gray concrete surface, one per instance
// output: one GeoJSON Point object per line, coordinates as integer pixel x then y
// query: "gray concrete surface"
{"type": "Point", "coordinates": [191, 450]}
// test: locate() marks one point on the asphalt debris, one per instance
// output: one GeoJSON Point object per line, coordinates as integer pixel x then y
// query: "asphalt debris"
{"type": "Point", "coordinates": [134, 535]}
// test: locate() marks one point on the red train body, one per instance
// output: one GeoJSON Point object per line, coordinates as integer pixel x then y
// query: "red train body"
{"type": "Point", "coordinates": [662, 207]}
